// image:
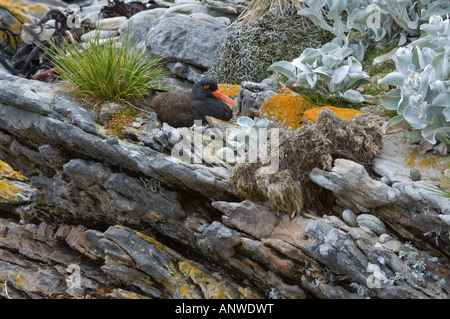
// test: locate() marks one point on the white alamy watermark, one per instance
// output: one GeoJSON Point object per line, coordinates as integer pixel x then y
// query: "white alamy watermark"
{"type": "Point", "coordinates": [377, 277]}
{"type": "Point", "coordinates": [73, 281]}
{"type": "Point", "coordinates": [73, 17]}
{"type": "Point", "coordinates": [374, 19]}
{"type": "Point", "coordinates": [212, 146]}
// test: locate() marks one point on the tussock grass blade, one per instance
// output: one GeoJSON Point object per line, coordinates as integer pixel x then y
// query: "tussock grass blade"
{"type": "Point", "coordinates": [105, 71]}
{"type": "Point", "coordinates": [445, 182]}
{"type": "Point", "coordinates": [439, 191]}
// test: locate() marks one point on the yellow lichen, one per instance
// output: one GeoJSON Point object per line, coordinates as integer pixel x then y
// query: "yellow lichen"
{"type": "Point", "coordinates": [130, 295]}
{"type": "Point", "coordinates": [182, 287]}
{"type": "Point", "coordinates": [17, 280]}
{"type": "Point", "coordinates": [211, 287]}
{"type": "Point", "coordinates": [16, 9]}
{"type": "Point", "coordinates": [18, 12]}
{"type": "Point", "coordinates": [247, 293]}
{"type": "Point", "coordinates": [9, 192]}
{"type": "Point", "coordinates": [342, 113]}
{"type": "Point", "coordinates": [7, 172]}
{"type": "Point", "coordinates": [286, 108]}
{"type": "Point", "coordinates": [229, 89]}
{"type": "Point", "coordinates": [148, 239]}
{"type": "Point", "coordinates": [176, 284]}
{"type": "Point", "coordinates": [426, 160]}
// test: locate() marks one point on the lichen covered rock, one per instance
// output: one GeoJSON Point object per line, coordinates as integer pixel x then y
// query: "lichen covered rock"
{"type": "Point", "coordinates": [13, 189]}
{"type": "Point", "coordinates": [287, 108]}
{"type": "Point", "coordinates": [13, 15]}
{"type": "Point", "coordinates": [342, 113]}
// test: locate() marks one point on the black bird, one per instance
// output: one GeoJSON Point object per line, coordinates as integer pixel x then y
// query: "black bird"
{"type": "Point", "coordinates": [182, 108]}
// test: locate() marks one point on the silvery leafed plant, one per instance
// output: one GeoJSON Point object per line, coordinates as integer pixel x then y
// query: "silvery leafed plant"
{"type": "Point", "coordinates": [246, 139]}
{"type": "Point", "coordinates": [332, 69]}
{"type": "Point", "coordinates": [422, 94]}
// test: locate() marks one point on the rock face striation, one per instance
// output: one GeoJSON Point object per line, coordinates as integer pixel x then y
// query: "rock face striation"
{"type": "Point", "coordinates": [85, 215]}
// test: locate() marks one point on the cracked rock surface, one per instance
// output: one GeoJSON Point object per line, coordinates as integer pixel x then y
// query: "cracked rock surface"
{"type": "Point", "coordinates": [138, 223]}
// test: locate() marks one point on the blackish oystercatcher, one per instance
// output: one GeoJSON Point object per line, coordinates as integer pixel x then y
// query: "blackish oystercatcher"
{"type": "Point", "coordinates": [181, 108]}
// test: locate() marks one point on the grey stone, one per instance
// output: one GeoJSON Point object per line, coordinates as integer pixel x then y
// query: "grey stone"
{"type": "Point", "coordinates": [372, 222]}
{"type": "Point", "coordinates": [185, 9]}
{"type": "Point", "coordinates": [395, 161]}
{"type": "Point", "coordinates": [98, 34]}
{"type": "Point", "coordinates": [110, 23]}
{"type": "Point", "coordinates": [207, 18]}
{"type": "Point", "coordinates": [65, 104]}
{"type": "Point", "coordinates": [194, 74]}
{"type": "Point", "coordinates": [447, 173]}
{"type": "Point", "coordinates": [349, 218]}
{"type": "Point", "coordinates": [384, 238]}
{"type": "Point", "coordinates": [252, 95]}
{"type": "Point", "coordinates": [182, 39]}
{"type": "Point", "coordinates": [353, 186]}
{"type": "Point", "coordinates": [415, 174]}
{"type": "Point", "coordinates": [247, 216]}
{"type": "Point", "coordinates": [385, 180]}
{"type": "Point", "coordinates": [221, 239]}
{"type": "Point", "coordinates": [233, 7]}
{"type": "Point", "coordinates": [178, 68]}
{"type": "Point", "coordinates": [140, 18]}
{"type": "Point", "coordinates": [334, 247]}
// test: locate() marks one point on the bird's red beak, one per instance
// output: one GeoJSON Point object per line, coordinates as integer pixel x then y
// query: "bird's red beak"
{"type": "Point", "coordinates": [223, 97]}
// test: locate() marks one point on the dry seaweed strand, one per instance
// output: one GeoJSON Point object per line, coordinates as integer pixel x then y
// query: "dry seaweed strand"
{"type": "Point", "coordinates": [312, 145]}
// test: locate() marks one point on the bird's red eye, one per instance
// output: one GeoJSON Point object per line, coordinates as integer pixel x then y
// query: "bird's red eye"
{"type": "Point", "coordinates": [206, 86]}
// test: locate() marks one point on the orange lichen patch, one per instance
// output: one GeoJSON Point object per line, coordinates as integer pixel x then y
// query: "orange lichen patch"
{"type": "Point", "coordinates": [7, 172]}
{"type": "Point", "coordinates": [342, 113]}
{"type": "Point", "coordinates": [229, 89]}
{"type": "Point", "coordinates": [286, 108]}
{"type": "Point", "coordinates": [426, 161]}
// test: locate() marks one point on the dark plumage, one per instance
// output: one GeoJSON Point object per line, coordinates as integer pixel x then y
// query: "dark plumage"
{"type": "Point", "coordinates": [182, 108]}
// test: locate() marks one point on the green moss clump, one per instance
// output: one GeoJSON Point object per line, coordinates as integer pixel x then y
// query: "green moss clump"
{"type": "Point", "coordinates": [117, 121]}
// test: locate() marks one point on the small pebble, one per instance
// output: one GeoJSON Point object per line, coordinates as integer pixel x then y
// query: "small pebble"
{"type": "Point", "coordinates": [349, 218]}
{"type": "Point", "coordinates": [384, 238]}
{"type": "Point", "coordinates": [415, 174]}
{"type": "Point", "coordinates": [372, 222]}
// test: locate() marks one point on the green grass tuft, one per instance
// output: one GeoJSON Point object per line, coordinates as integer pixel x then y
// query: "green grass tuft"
{"type": "Point", "coordinates": [445, 183]}
{"type": "Point", "coordinates": [105, 71]}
